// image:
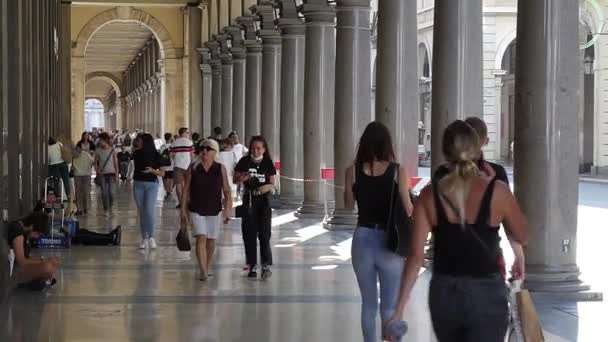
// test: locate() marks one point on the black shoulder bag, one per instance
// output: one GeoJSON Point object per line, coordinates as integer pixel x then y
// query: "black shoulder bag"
{"type": "Point", "coordinates": [398, 223]}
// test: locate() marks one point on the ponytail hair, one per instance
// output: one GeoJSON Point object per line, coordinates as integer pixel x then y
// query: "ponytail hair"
{"type": "Point", "coordinates": [461, 148]}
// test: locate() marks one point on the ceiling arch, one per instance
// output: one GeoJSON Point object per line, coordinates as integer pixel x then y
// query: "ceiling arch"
{"type": "Point", "coordinates": [125, 14]}
{"type": "Point", "coordinates": [100, 84]}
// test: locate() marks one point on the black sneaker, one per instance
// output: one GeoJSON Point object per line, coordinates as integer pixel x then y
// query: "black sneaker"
{"type": "Point", "coordinates": [253, 272]}
{"type": "Point", "coordinates": [117, 235]}
{"type": "Point", "coordinates": [266, 272]}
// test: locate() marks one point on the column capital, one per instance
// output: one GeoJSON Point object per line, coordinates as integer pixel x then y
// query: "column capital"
{"type": "Point", "coordinates": [253, 46]}
{"type": "Point", "coordinates": [319, 13]}
{"type": "Point", "coordinates": [214, 47]}
{"type": "Point", "coordinates": [353, 3]}
{"type": "Point", "coordinates": [288, 9]}
{"type": "Point", "coordinates": [247, 22]}
{"type": "Point", "coordinates": [291, 26]}
{"type": "Point", "coordinates": [205, 53]}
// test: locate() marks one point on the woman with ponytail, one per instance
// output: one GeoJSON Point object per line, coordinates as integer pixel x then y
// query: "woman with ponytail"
{"type": "Point", "coordinates": [464, 211]}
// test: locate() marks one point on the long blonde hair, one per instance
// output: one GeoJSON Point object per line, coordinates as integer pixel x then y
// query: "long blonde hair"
{"type": "Point", "coordinates": [461, 148]}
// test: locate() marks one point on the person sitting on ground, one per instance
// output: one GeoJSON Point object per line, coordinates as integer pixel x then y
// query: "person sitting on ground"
{"type": "Point", "coordinates": [33, 272]}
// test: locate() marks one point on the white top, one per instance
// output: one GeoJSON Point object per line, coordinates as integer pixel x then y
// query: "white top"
{"type": "Point", "coordinates": [229, 160]}
{"type": "Point", "coordinates": [182, 148]}
{"type": "Point", "coordinates": [239, 150]}
{"type": "Point", "coordinates": [158, 143]}
{"type": "Point", "coordinates": [55, 154]}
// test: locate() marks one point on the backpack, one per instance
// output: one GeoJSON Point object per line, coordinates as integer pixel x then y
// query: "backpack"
{"type": "Point", "coordinates": [165, 158]}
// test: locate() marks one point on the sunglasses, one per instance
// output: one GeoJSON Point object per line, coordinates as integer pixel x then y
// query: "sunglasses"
{"type": "Point", "coordinates": [207, 149]}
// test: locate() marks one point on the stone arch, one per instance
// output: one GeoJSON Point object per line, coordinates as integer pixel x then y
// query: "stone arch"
{"type": "Point", "coordinates": [423, 53]}
{"type": "Point", "coordinates": [423, 39]}
{"type": "Point", "coordinates": [502, 48]}
{"type": "Point", "coordinates": [125, 13]}
{"type": "Point", "coordinates": [106, 76]}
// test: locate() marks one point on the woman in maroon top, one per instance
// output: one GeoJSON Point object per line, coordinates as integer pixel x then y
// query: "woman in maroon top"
{"type": "Point", "coordinates": [206, 182]}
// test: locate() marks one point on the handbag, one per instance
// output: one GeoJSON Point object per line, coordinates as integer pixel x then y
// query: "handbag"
{"type": "Point", "coordinates": [66, 153]}
{"type": "Point", "coordinates": [243, 210]}
{"type": "Point", "coordinates": [182, 240]}
{"type": "Point", "coordinates": [98, 177]}
{"type": "Point", "coordinates": [398, 223]}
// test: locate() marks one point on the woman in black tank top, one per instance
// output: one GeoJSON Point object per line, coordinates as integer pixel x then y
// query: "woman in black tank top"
{"type": "Point", "coordinates": [369, 183]}
{"type": "Point", "coordinates": [464, 210]}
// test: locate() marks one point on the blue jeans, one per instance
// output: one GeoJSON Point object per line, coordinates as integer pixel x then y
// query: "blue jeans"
{"type": "Point", "coordinates": [60, 171]}
{"type": "Point", "coordinates": [145, 197]}
{"type": "Point", "coordinates": [107, 191]}
{"type": "Point", "coordinates": [372, 261]}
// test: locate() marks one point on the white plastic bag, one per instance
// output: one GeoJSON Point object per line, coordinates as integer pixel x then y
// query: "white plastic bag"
{"type": "Point", "coordinates": [515, 331]}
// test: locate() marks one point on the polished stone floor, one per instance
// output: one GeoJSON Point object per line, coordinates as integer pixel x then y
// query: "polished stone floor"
{"type": "Point", "coordinates": [125, 294]}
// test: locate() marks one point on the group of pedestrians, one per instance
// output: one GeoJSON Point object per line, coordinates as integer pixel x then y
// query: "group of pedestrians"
{"type": "Point", "coordinates": [463, 207]}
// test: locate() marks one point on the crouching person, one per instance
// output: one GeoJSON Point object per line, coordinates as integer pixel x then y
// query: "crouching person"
{"type": "Point", "coordinates": [35, 273]}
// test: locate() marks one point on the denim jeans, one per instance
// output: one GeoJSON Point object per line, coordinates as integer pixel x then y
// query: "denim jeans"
{"type": "Point", "coordinates": [469, 309]}
{"type": "Point", "coordinates": [107, 191]}
{"type": "Point", "coordinates": [60, 171]}
{"type": "Point", "coordinates": [373, 262]}
{"type": "Point", "coordinates": [145, 197]}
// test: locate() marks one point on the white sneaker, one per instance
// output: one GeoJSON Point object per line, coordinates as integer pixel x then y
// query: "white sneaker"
{"type": "Point", "coordinates": [143, 244]}
{"type": "Point", "coordinates": [152, 243]}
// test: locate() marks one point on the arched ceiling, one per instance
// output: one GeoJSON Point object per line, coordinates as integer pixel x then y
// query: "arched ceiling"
{"type": "Point", "coordinates": [98, 88]}
{"type": "Point", "coordinates": [115, 45]}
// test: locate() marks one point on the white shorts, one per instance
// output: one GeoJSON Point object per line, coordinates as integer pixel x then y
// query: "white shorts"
{"type": "Point", "coordinates": [206, 225]}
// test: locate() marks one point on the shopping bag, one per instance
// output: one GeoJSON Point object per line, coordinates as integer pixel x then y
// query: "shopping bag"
{"type": "Point", "coordinates": [530, 323]}
{"type": "Point", "coordinates": [514, 333]}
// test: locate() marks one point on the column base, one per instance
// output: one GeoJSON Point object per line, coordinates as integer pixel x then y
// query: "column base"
{"type": "Point", "coordinates": [341, 219]}
{"type": "Point", "coordinates": [559, 283]}
{"type": "Point", "coordinates": [290, 201]}
{"type": "Point", "coordinates": [313, 210]}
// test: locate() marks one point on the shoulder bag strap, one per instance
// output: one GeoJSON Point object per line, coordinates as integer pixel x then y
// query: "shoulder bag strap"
{"type": "Point", "coordinates": [107, 160]}
{"type": "Point", "coordinates": [394, 183]}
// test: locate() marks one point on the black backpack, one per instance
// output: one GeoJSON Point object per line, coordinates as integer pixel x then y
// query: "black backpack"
{"type": "Point", "coordinates": [165, 158]}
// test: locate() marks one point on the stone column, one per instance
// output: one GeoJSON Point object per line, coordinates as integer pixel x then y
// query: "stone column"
{"type": "Point", "coordinates": [293, 34]}
{"type": "Point", "coordinates": [174, 105]}
{"type": "Point", "coordinates": [163, 97]}
{"type": "Point", "coordinates": [78, 79]}
{"type": "Point", "coordinates": [253, 76]}
{"type": "Point", "coordinates": [397, 88]}
{"type": "Point", "coordinates": [227, 70]}
{"type": "Point", "coordinates": [498, 83]}
{"type": "Point", "coordinates": [457, 67]}
{"type": "Point", "coordinates": [546, 141]}
{"type": "Point", "coordinates": [271, 77]}
{"type": "Point", "coordinates": [319, 92]}
{"type": "Point", "coordinates": [216, 84]}
{"type": "Point", "coordinates": [354, 95]}
{"type": "Point", "coordinates": [196, 82]}
{"type": "Point", "coordinates": [206, 94]}
{"type": "Point", "coordinates": [239, 59]}
{"type": "Point", "coordinates": [65, 49]}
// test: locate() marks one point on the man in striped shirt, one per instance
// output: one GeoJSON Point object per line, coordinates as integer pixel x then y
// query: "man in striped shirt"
{"type": "Point", "coordinates": [182, 150]}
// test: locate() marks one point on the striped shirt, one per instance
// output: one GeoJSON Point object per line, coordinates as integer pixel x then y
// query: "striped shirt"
{"type": "Point", "coordinates": [182, 148]}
